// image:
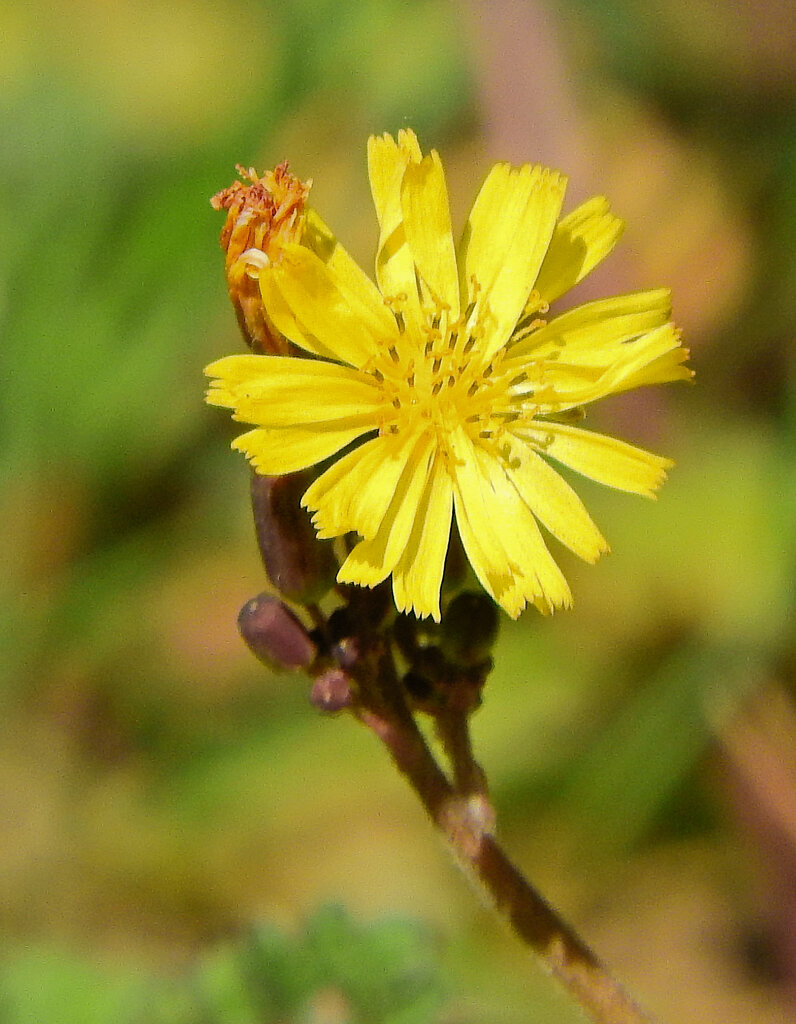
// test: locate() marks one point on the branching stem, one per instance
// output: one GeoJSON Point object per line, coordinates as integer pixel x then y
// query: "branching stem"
{"type": "Point", "coordinates": [462, 812]}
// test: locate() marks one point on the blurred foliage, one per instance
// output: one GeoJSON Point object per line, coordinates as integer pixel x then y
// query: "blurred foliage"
{"type": "Point", "coordinates": [159, 792]}
{"type": "Point", "coordinates": [334, 972]}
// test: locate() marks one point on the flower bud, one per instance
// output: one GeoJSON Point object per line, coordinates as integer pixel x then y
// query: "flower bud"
{"type": "Point", "coordinates": [274, 635]}
{"type": "Point", "coordinates": [469, 628]}
{"type": "Point", "coordinates": [297, 563]}
{"type": "Point", "coordinates": [331, 691]}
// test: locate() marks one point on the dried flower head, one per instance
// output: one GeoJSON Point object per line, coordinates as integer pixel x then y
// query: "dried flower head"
{"type": "Point", "coordinates": [263, 213]}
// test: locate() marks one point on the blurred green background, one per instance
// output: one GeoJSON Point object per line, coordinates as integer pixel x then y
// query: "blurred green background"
{"type": "Point", "coordinates": [171, 817]}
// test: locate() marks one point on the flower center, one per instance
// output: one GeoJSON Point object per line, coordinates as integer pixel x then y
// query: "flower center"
{"type": "Point", "coordinates": [440, 378]}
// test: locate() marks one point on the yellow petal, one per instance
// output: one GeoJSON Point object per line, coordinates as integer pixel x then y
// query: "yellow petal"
{"type": "Point", "coordinates": [395, 267]}
{"type": "Point", "coordinates": [285, 320]}
{"type": "Point", "coordinates": [654, 358]}
{"type": "Point", "coordinates": [351, 277]}
{"type": "Point", "coordinates": [505, 241]}
{"type": "Point", "coordinates": [417, 578]}
{"type": "Point", "coordinates": [276, 391]}
{"type": "Point", "coordinates": [606, 460]}
{"type": "Point", "coordinates": [373, 560]}
{"type": "Point", "coordinates": [538, 577]}
{"type": "Point", "coordinates": [387, 161]}
{"type": "Point", "coordinates": [580, 242]}
{"type": "Point", "coordinates": [556, 505]}
{"type": "Point", "coordinates": [664, 369]}
{"type": "Point", "coordinates": [277, 450]}
{"type": "Point", "coordinates": [427, 223]}
{"type": "Point", "coordinates": [595, 333]}
{"type": "Point", "coordinates": [355, 493]}
{"type": "Point", "coordinates": [327, 307]}
{"type": "Point", "coordinates": [477, 525]}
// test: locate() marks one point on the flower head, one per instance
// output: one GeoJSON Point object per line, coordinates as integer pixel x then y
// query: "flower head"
{"type": "Point", "coordinates": [447, 384]}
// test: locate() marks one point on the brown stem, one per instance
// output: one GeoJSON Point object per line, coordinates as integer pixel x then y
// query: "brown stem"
{"type": "Point", "coordinates": [461, 820]}
{"type": "Point", "coordinates": [453, 730]}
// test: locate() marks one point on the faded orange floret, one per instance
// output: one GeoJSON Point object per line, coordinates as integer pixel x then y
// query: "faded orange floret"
{"type": "Point", "coordinates": [263, 212]}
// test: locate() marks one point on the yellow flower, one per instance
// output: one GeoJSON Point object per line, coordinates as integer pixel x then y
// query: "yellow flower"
{"type": "Point", "coordinates": [448, 385]}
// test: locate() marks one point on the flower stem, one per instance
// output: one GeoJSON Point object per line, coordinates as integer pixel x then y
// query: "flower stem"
{"type": "Point", "coordinates": [458, 812]}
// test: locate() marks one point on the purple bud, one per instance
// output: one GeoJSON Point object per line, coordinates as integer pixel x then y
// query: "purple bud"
{"type": "Point", "coordinates": [332, 691]}
{"type": "Point", "coordinates": [299, 565]}
{"type": "Point", "coordinates": [274, 634]}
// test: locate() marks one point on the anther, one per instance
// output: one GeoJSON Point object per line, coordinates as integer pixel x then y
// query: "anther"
{"type": "Point", "coordinates": [396, 402]}
{"type": "Point", "coordinates": [436, 366]}
{"type": "Point", "coordinates": [393, 353]}
{"type": "Point", "coordinates": [468, 344]}
{"type": "Point", "coordinates": [451, 381]}
{"type": "Point", "coordinates": [378, 375]}
{"type": "Point", "coordinates": [437, 388]}
{"type": "Point", "coordinates": [472, 389]}
{"type": "Point", "coordinates": [519, 379]}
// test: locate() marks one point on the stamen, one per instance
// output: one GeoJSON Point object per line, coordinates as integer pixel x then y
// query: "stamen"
{"type": "Point", "coordinates": [437, 388]}
{"type": "Point", "coordinates": [378, 375]}
{"type": "Point", "coordinates": [393, 353]}
{"type": "Point", "coordinates": [520, 333]}
{"type": "Point", "coordinates": [436, 366]}
{"type": "Point", "coordinates": [468, 344]}
{"type": "Point", "coordinates": [519, 379]}
{"type": "Point", "coordinates": [472, 389]}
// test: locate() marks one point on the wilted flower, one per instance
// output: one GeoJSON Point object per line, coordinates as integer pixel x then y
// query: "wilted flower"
{"type": "Point", "coordinates": [262, 214]}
